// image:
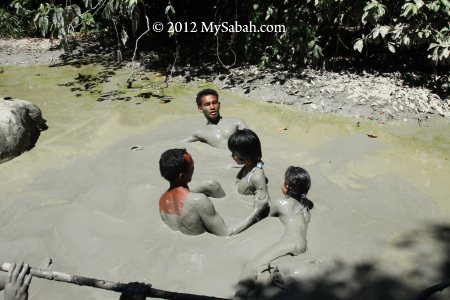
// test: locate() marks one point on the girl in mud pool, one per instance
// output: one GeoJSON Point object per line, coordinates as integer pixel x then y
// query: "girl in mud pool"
{"type": "Point", "coordinates": [245, 149]}
{"type": "Point", "coordinates": [294, 212]}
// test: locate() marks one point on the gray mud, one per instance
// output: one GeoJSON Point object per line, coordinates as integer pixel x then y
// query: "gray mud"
{"type": "Point", "coordinates": [87, 195]}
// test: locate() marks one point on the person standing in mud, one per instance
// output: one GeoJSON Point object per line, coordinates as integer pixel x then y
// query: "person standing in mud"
{"type": "Point", "coordinates": [191, 212]}
{"type": "Point", "coordinates": [217, 129]}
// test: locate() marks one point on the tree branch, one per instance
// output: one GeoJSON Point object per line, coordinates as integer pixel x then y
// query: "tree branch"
{"type": "Point", "coordinates": [425, 294]}
{"type": "Point", "coordinates": [107, 285]}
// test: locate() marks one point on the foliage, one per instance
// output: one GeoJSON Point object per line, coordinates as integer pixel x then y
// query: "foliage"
{"type": "Point", "coordinates": [8, 24]}
{"type": "Point", "coordinates": [317, 31]}
{"type": "Point", "coordinates": [415, 25]}
{"type": "Point", "coordinates": [62, 20]}
{"type": "Point", "coordinates": [322, 29]}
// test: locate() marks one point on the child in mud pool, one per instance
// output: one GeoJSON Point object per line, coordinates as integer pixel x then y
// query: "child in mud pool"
{"type": "Point", "coordinates": [245, 149]}
{"type": "Point", "coordinates": [294, 212]}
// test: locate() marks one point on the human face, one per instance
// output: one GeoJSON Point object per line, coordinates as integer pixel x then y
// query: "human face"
{"type": "Point", "coordinates": [237, 158]}
{"type": "Point", "coordinates": [210, 107]}
{"type": "Point", "coordinates": [187, 175]}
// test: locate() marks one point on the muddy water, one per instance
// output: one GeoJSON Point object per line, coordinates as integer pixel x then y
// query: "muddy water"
{"type": "Point", "coordinates": [84, 198]}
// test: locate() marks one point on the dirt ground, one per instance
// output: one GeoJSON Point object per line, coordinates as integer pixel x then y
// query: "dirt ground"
{"type": "Point", "coordinates": [367, 96]}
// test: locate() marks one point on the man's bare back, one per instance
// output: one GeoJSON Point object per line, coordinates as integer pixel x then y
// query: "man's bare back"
{"type": "Point", "coordinates": [189, 213]}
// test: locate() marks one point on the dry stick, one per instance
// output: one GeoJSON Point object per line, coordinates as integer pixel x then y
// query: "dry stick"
{"type": "Point", "coordinates": [131, 77]}
{"type": "Point", "coordinates": [229, 45]}
{"type": "Point", "coordinates": [425, 294]}
{"type": "Point", "coordinates": [107, 285]}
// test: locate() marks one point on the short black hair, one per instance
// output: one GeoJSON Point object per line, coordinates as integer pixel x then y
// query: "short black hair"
{"type": "Point", "coordinates": [246, 144]}
{"type": "Point", "coordinates": [172, 163]}
{"type": "Point", "coordinates": [205, 92]}
{"type": "Point", "coordinates": [298, 182]}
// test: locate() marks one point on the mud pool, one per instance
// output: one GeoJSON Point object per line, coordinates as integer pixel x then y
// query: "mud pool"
{"type": "Point", "coordinates": [380, 228]}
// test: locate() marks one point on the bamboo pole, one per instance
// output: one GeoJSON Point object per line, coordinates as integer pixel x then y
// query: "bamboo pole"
{"type": "Point", "coordinates": [425, 294]}
{"type": "Point", "coordinates": [107, 285]}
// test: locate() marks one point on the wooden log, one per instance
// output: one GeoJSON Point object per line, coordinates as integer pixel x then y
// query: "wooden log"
{"type": "Point", "coordinates": [425, 294]}
{"type": "Point", "coordinates": [107, 285]}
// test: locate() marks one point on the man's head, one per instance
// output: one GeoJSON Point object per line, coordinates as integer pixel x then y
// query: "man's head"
{"type": "Point", "coordinates": [208, 103]}
{"type": "Point", "coordinates": [176, 165]}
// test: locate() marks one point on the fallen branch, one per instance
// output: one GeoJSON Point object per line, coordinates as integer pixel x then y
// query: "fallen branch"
{"type": "Point", "coordinates": [107, 285]}
{"type": "Point", "coordinates": [425, 294]}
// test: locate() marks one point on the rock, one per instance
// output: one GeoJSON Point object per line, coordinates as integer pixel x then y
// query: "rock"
{"type": "Point", "coordinates": [21, 123]}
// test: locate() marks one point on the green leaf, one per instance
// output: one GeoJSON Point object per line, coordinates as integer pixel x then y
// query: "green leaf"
{"type": "Point", "coordinates": [375, 32]}
{"type": "Point", "coordinates": [270, 11]}
{"type": "Point", "coordinates": [446, 3]}
{"type": "Point", "coordinates": [434, 56]}
{"type": "Point", "coordinates": [407, 9]}
{"type": "Point", "coordinates": [384, 30]}
{"type": "Point", "coordinates": [370, 5]}
{"type": "Point", "coordinates": [87, 3]}
{"type": "Point", "coordinates": [406, 40]}
{"type": "Point", "coordinates": [76, 9]}
{"type": "Point", "coordinates": [36, 17]}
{"type": "Point", "coordinates": [419, 3]}
{"type": "Point", "coordinates": [433, 6]}
{"type": "Point", "coordinates": [123, 36]}
{"type": "Point", "coordinates": [381, 10]}
{"type": "Point", "coordinates": [391, 47]}
{"type": "Point", "coordinates": [358, 46]}
{"type": "Point", "coordinates": [432, 45]}
{"type": "Point", "coordinates": [43, 25]}
{"type": "Point", "coordinates": [169, 8]}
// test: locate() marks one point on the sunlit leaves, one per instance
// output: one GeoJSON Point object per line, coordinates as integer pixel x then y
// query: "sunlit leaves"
{"type": "Point", "coordinates": [358, 45]}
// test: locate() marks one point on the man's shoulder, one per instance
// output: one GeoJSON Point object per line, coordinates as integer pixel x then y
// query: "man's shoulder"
{"type": "Point", "coordinates": [199, 201]}
{"type": "Point", "coordinates": [196, 198]}
{"type": "Point", "coordinates": [232, 119]}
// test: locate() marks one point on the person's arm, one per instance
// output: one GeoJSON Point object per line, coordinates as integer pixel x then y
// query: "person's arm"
{"type": "Point", "coordinates": [211, 188]}
{"type": "Point", "coordinates": [215, 224]}
{"type": "Point", "coordinates": [17, 282]}
{"type": "Point", "coordinates": [258, 181]}
{"type": "Point", "coordinates": [191, 139]}
{"type": "Point", "coordinates": [274, 208]}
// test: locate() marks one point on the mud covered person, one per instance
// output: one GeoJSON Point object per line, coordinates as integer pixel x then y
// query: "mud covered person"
{"type": "Point", "coordinates": [192, 212]}
{"type": "Point", "coordinates": [217, 129]}
{"type": "Point", "coordinates": [17, 282]}
{"type": "Point", "coordinates": [294, 212]}
{"type": "Point", "coordinates": [246, 151]}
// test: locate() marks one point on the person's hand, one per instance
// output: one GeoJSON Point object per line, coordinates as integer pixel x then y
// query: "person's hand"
{"type": "Point", "coordinates": [17, 282]}
{"type": "Point", "coordinates": [135, 291]}
{"type": "Point", "coordinates": [261, 200]}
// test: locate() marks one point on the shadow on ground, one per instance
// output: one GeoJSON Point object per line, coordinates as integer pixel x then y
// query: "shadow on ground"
{"type": "Point", "coordinates": [429, 253]}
